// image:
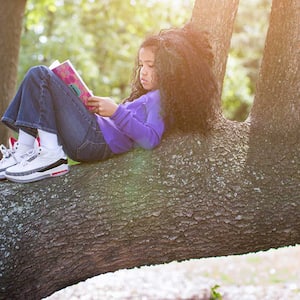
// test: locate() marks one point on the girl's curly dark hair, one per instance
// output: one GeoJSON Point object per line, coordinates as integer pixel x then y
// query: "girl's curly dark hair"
{"type": "Point", "coordinates": [188, 87]}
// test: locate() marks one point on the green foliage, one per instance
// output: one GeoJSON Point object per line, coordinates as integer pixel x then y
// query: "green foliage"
{"type": "Point", "coordinates": [237, 93]}
{"type": "Point", "coordinates": [214, 294]}
{"type": "Point", "coordinates": [101, 39]}
{"type": "Point", "coordinates": [244, 58]}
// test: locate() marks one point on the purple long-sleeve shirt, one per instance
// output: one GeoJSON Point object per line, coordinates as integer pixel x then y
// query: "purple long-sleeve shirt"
{"type": "Point", "coordinates": [134, 124]}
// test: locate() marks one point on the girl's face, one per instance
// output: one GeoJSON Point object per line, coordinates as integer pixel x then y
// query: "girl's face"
{"type": "Point", "coordinates": [148, 77]}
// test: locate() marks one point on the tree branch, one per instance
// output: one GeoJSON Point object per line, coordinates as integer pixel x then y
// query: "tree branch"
{"type": "Point", "coordinates": [189, 198]}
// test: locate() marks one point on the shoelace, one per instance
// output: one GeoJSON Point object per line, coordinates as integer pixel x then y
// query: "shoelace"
{"type": "Point", "coordinates": [6, 153]}
{"type": "Point", "coordinates": [29, 156]}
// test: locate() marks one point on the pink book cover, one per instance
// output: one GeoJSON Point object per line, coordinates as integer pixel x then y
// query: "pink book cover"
{"type": "Point", "coordinates": [68, 74]}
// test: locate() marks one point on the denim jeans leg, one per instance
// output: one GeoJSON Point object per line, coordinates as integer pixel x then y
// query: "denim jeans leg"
{"type": "Point", "coordinates": [31, 108]}
{"type": "Point", "coordinates": [44, 102]}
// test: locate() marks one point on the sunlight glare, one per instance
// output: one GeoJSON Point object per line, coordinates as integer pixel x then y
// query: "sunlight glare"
{"type": "Point", "coordinates": [177, 4]}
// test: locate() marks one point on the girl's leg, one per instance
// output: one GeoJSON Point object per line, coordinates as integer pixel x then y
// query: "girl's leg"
{"type": "Point", "coordinates": [48, 140]}
{"type": "Point", "coordinates": [44, 102]}
{"type": "Point", "coordinates": [26, 139]}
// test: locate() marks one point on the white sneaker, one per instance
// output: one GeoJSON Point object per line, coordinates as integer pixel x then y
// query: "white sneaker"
{"type": "Point", "coordinates": [12, 156]}
{"type": "Point", "coordinates": [41, 163]}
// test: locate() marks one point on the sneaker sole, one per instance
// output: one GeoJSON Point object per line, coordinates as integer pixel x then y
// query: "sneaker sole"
{"type": "Point", "coordinates": [38, 175]}
{"type": "Point", "coordinates": [2, 173]}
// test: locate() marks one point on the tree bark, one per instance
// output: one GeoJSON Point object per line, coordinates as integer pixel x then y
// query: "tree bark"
{"type": "Point", "coordinates": [277, 102]}
{"type": "Point", "coordinates": [235, 191]}
{"type": "Point", "coordinates": [11, 13]}
{"type": "Point", "coordinates": [217, 19]}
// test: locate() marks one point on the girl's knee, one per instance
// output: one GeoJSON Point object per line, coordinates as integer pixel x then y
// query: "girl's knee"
{"type": "Point", "coordinates": [38, 71]}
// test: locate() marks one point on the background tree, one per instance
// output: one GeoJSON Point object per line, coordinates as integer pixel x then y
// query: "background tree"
{"type": "Point", "coordinates": [233, 192]}
{"type": "Point", "coordinates": [11, 13]}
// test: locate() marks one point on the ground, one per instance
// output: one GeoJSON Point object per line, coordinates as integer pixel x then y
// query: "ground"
{"type": "Point", "coordinates": [270, 275]}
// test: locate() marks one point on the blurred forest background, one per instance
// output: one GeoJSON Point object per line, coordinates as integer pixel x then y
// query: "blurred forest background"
{"type": "Point", "coordinates": [101, 39]}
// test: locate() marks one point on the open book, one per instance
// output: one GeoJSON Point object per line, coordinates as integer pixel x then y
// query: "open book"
{"type": "Point", "coordinates": [68, 74]}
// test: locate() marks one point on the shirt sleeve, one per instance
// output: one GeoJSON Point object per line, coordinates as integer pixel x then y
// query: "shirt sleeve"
{"type": "Point", "coordinates": [146, 133]}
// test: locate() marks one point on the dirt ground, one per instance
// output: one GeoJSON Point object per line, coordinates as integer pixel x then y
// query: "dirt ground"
{"type": "Point", "coordinates": [270, 275]}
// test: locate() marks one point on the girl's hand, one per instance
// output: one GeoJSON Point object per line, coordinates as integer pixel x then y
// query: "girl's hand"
{"type": "Point", "coordinates": [102, 106]}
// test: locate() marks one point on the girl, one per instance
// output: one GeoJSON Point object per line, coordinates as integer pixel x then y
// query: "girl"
{"type": "Point", "coordinates": [173, 89]}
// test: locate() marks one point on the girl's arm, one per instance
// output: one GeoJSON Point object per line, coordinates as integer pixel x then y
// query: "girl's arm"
{"type": "Point", "coordinates": [102, 106]}
{"type": "Point", "coordinates": [146, 134]}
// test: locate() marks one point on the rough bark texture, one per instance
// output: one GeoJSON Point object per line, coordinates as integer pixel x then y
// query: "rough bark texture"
{"type": "Point", "coordinates": [236, 191]}
{"type": "Point", "coordinates": [277, 102]}
{"type": "Point", "coordinates": [11, 13]}
{"type": "Point", "coordinates": [217, 18]}
{"type": "Point", "coordinates": [177, 202]}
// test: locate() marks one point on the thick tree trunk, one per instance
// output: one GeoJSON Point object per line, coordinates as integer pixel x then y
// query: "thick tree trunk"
{"type": "Point", "coordinates": [217, 18]}
{"type": "Point", "coordinates": [11, 13]}
{"type": "Point", "coordinates": [236, 191]}
{"type": "Point", "coordinates": [277, 102]}
{"type": "Point", "coordinates": [189, 198]}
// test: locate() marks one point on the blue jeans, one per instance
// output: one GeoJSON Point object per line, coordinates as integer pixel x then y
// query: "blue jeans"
{"type": "Point", "coordinates": [44, 102]}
